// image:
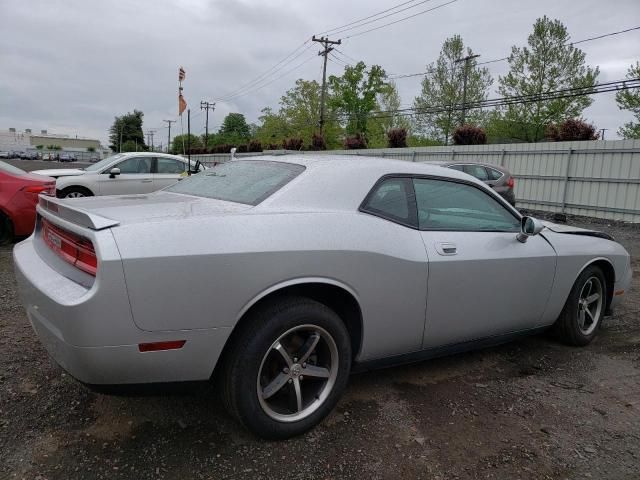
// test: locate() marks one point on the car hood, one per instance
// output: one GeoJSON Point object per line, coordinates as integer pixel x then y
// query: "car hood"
{"type": "Point", "coordinates": [554, 227]}
{"type": "Point", "coordinates": [60, 172]}
{"type": "Point", "coordinates": [154, 207]}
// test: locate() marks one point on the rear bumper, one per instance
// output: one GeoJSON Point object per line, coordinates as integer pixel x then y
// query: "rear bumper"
{"type": "Point", "coordinates": [89, 331]}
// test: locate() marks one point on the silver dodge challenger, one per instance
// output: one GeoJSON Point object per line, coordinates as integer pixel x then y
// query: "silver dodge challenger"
{"type": "Point", "coordinates": [278, 277]}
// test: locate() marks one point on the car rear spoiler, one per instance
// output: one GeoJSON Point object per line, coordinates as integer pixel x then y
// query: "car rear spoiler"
{"type": "Point", "coordinates": [76, 215]}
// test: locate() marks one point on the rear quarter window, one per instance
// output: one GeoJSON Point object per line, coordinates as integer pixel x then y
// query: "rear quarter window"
{"type": "Point", "coordinates": [240, 181]}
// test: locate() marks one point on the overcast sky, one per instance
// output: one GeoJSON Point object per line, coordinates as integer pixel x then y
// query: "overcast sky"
{"type": "Point", "coordinates": [70, 66]}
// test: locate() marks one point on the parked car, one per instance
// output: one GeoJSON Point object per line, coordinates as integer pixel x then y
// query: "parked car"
{"type": "Point", "coordinates": [497, 177]}
{"type": "Point", "coordinates": [67, 157]}
{"type": "Point", "coordinates": [5, 155]}
{"type": "Point", "coordinates": [279, 278]}
{"type": "Point", "coordinates": [19, 192]}
{"type": "Point", "coordinates": [124, 173]}
{"type": "Point", "coordinates": [28, 156]}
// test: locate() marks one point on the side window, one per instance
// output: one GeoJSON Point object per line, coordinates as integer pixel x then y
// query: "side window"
{"type": "Point", "coordinates": [494, 174]}
{"type": "Point", "coordinates": [445, 205]}
{"type": "Point", "coordinates": [170, 165]}
{"type": "Point", "coordinates": [390, 200]}
{"type": "Point", "coordinates": [460, 168]}
{"type": "Point", "coordinates": [477, 171]}
{"type": "Point", "coordinates": [135, 165]}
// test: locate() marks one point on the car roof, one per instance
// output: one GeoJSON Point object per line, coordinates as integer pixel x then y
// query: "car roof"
{"type": "Point", "coordinates": [383, 166]}
{"type": "Point", "coordinates": [341, 182]}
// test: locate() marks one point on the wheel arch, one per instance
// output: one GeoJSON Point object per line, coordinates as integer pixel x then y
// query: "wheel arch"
{"type": "Point", "coordinates": [74, 185]}
{"type": "Point", "coordinates": [337, 296]}
{"type": "Point", "coordinates": [609, 275]}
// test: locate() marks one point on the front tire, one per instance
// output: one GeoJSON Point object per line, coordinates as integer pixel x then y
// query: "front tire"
{"type": "Point", "coordinates": [74, 192]}
{"type": "Point", "coordinates": [286, 368]}
{"type": "Point", "coordinates": [582, 314]}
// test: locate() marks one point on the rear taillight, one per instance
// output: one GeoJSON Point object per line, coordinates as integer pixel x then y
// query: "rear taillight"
{"type": "Point", "coordinates": [511, 182]}
{"type": "Point", "coordinates": [72, 248]}
{"type": "Point", "coordinates": [47, 189]}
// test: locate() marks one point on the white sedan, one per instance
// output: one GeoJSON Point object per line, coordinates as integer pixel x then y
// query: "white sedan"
{"type": "Point", "coordinates": [121, 174]}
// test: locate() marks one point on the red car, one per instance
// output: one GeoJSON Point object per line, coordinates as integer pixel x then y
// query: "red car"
{"type": "Point", "coordinates": [19, 192]}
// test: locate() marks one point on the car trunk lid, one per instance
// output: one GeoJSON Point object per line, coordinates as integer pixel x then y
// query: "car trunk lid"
{"type": "Point", "coordinates": [109, 211]}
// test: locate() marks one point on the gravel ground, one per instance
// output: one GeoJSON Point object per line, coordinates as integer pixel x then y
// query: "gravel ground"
{"type": "Point", "coordinates": [529, 409]}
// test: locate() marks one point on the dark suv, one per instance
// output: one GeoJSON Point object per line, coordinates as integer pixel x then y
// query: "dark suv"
{"type": "Point", "coordinates": [498, 178]}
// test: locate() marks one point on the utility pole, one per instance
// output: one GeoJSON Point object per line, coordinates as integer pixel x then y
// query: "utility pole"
{"type": "Point", "coordinates": [466, 61]}
{"type": "Point", "coordinates": [207, 106]}
{"type": "Point", "coordinates": [169, 134]}
{"type": "Point", "coordinates": [602, 130]}
{"type": "Point", "coordinates": [325, 42]}
{"type": "Point", "coordinates": [151, 133]}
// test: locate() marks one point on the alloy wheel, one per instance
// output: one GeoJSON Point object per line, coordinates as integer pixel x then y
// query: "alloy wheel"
{"type": "Point", "coordinates": [75, 194]}
{"type": "Point", "coordinates": [590, 302]}
{"type": "Point", "coordinates": [297, 373]}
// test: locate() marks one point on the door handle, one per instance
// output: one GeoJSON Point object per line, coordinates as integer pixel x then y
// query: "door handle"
{"type": "Point", "coordinates": [146, 181]}
{"type": "Point", "coordinates": [446, 248]}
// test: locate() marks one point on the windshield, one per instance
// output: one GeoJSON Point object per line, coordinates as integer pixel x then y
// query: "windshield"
{"type": "Point", "coordinates": [240, 181]}
{"type": "Point", "coordinates": [103, 163]}
{"type": "Point", "coordinates": [5, 167]}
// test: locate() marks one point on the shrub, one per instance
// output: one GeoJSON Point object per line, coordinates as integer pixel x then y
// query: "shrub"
{"type": "Point", "coordinates": [91, 149]}
{"type": "Point", "coordinates": [292, 143]}
{"type": "Point", "coordinates": [255, 146]}
{"type": "Point", "coordinates": [222, 148]}
{"type": "Point", "coordinates": [39, 147]}
{"type": "Point", "coordinates": [570, 130]}
{"type": "Point", "coordinates": [397, 138]}
{"type": "Point", "coordinates": [469, 135]}
{"type": "Point", "coordinates": [244, 148]}
{"type": "Point", "coordinates": [355, 142]}
{"type": "Point", "coordinates": [318, 142]}
{"type": "Point", "coordinates": [274, 146]}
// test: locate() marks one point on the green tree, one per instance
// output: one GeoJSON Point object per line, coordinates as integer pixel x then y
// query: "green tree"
{"type": "Point", "coordinates": [549, 63]}
{"type": "Point", "coordinates": [273, 128]}
{"type": "Point", "coordinates": [131, 146]}
{"type": "Point", "coordinates": [234, 130]}
{"type": "Point", "coordinates": [180, 143]}
{"type": "Point", "coordinates": [630, 100]}
{"type": "Point", "coordinates": [298, 117]}
{"type": "Point", "coordinates": [443, 85]}
{"type": "Point", "coordinates": [353, 95]}
{"type": "Point", "coordinates": [127, 127]}
{"type": "Point", "coordinates": [300, 108]}
{"type": "Point", "coordinates": [389, 101]}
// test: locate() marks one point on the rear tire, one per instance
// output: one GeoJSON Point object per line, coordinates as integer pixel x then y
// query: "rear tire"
{"type": "Point", "coordinates": [6, 229]}
{"type": "Point", "coordinates": [286, 367]}
{"type": "Point", "coordinates": [582, 314]}
{"type": "Point", "coordinates": [74, 192]}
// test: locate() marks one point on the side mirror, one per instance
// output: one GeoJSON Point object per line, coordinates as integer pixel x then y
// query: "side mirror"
{"type": "Point", "coordinates": [114, 172]}
{"type": "Point", "coordinates": [529, 227]}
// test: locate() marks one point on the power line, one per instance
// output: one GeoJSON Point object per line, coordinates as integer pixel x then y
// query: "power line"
{"type": "Point", "coordinates": [401, 19]}
{"type": "Point", "coordinates": [260, 87]}
{"type": "Point", "coordinates": [365, 18]}
{"type": "Point", "coordinates": [348, 57]}
{"type": "Point", "coordinates": [513, 100]}
{"type": "Point", "coordinates": [339, 31]}
{"type": "Point", "coordinates": [419, 74]}
{"type": "Point", "coordinates": [296, 53]}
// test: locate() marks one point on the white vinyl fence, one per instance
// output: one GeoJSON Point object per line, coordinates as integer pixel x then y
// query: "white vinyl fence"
{"type": "Point", "coordinates": [596, 178]}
